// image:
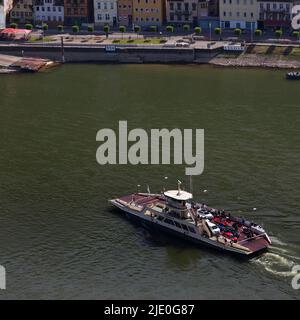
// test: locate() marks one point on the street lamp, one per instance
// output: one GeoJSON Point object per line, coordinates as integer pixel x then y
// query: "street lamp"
{"type": "Point", "coordinates": [209, 24]}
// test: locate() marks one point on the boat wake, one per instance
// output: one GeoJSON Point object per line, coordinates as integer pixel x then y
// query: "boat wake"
{"type": "Point", "coordinates": [279, 260]}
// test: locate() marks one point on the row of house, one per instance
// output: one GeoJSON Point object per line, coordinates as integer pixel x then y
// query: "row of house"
{"type": "Point", "coordinates": [245, 14]}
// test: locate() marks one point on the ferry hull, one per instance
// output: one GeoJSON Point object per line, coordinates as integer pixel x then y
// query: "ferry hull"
{"type": "Point", "coordinates": [161, 229]}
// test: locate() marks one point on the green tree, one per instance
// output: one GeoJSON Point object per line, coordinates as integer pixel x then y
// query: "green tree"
{"type": "Point", "coordinates": [258, 33]}
{"type": "Point", "coordinates": [60, 28]}
{"type": "Point", "coordinates": [45, 27]}
{"type": "Point", "coordinates": [137, 30]}
{"type": "Point", "coordinates": [106, 30]}
{"type": "Point", "coordinates": [153, 28]}
{"type": "Point", "coordinates": [122, 29]}
{"type": "Point", "coordinates": [90, 29]}
{"type": "Point", "coordinates": [278, 33]}
{"type": "Point", "coordinates": [14, 25]}
{"type": "Point", "coordinates": [218, 32]}
{"type": "Point", "coordinates": [295, 34]}
{"type": "Point", "coordinates": [197, 30]}
{"type": "Point", "coordinates": [169, 28]}
{"type": "Point", "coordinates": [75, 29]}
{"type": "Point", "coordinates": [186, 28]}
{"type": "Point", "coordinates": [237, 31]}
{"type": "Point", "coordinates": [28, 26]}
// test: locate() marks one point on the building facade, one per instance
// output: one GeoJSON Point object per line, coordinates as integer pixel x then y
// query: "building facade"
{"type": "Point", "coordinates": [22, 12]}
{"type": "Point", "coordinates": [5, 7]}
{"type": "Point", "coordinates": [148, 12]}
{"type": "Point", "coordinates": [181, 12]}
{"type": "Point", "coordinates": [48, 11]}
{"type": "Point", "coordinates": [76, 12]}
{"type": "Point", "coordinates": [125, 11]}
{"type": "Point", "coordinates": [238, 14]}
{"type": "Point", "coordinates": [275, 14]}
{"type": "Point", "coordinates": [106, 12]}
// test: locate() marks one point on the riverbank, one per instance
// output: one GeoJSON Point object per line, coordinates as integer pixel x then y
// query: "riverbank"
{"type": "Point", "coordinates": [200, 52]}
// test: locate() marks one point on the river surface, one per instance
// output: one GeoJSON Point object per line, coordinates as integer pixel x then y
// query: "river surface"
{"type": "Point", "coordinates": [59, 237]}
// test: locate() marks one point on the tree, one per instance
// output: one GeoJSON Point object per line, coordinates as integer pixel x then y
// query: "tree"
{"type": "Point", "coordinates": [137, 30]}
{"type": "Point", "coordinates": [28, 26]}
{"type": "Point", "coordinates": [218, 32]}
{"type": "Point", "coordinates": [278, 33]}
{"type": "Point", "coordinates": [258, 33]}
{"type": "Point", "coordinates": [75, 29]}
{"type": "Point", "coordinates": [60, 28]}
{"type": "Point", "coordinates": [169, 28]}
{"type": "Point", "coordinates": [295, 34]}
{"type": "Point", "coordinates": [106, 30]}
{"type": "Point", "coordinates": [186, 28]}
{"type": "Point", "coordinates": [14, 25]}
{"type": "Point", "coordinates": [90, 29]}
{"type": "Point", "coordinates": [198, 30]}
{"type": "Point", "coordinates": [45, 27]}
{"type": "Point", "coordinates": [122, 30]}
{"type": "Point", "coordinates": [237, 31]}
{"type": "Point", "coordinates": [153, 28]}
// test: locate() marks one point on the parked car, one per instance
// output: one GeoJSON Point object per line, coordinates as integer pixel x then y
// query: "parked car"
{"type": "Point", "coordinates": [181, 43]}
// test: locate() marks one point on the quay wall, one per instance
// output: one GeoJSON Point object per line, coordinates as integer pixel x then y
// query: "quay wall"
{"type": "Point", "coordinates": [121, 55]}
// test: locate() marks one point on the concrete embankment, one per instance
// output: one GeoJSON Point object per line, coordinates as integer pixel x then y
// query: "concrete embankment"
{"type": "Point", "coordinates": [151, 54]}
{"type": "Point", "coordinates": [120, 55]}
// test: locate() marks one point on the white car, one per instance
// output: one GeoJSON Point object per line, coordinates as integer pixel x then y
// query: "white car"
{"type": "Point", "coordinates": [181, 43]}
{"type": "Point", "coordinates": [205, 215]}
{"type": "Point", "coordinates": [213, 227]}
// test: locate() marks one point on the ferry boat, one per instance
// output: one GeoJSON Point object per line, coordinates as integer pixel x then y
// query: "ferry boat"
{"type": "Point", "coordinates": [295, 75]}
{"type": "Point", "coordinates": [175, 212]}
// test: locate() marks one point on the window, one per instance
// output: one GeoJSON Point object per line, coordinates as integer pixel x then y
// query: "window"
{"type": "Point", "coordinates": [191, 229]}
{"type": "Point", "coordinates": [99, 16]}
{"type": "Point", "coordinates": [224, 13]}
{"type": "Point", "coordinates": [245, 14]}
{"type": "Point", "coordinates": [178, 225]}
{"type": "Point", "coordinates": [107, 17]}
{"type": "Point", "coordinates": [194, 6]}
{"type": "Point", "coordinates": [99, 5]}
{"type": "Point", "coordinates": [111, 5]}
{"type": "Point", "coordinates": [105, 5]}
{"type": "Point", "coordinates": [169, 221]}
{"type": "Point", "coordinates": [184, 227]}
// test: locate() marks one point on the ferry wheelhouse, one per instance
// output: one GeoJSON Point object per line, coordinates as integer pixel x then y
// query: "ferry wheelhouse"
{"type": "Point", "coordinates": [175, 212]}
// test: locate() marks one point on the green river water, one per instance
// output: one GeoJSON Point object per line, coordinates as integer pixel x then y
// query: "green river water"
{"type": "Point", "coordinates": [59, 238]}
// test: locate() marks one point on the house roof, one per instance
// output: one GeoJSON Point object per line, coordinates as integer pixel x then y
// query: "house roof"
{"type": "Point", "coordinates": [15, 31]}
